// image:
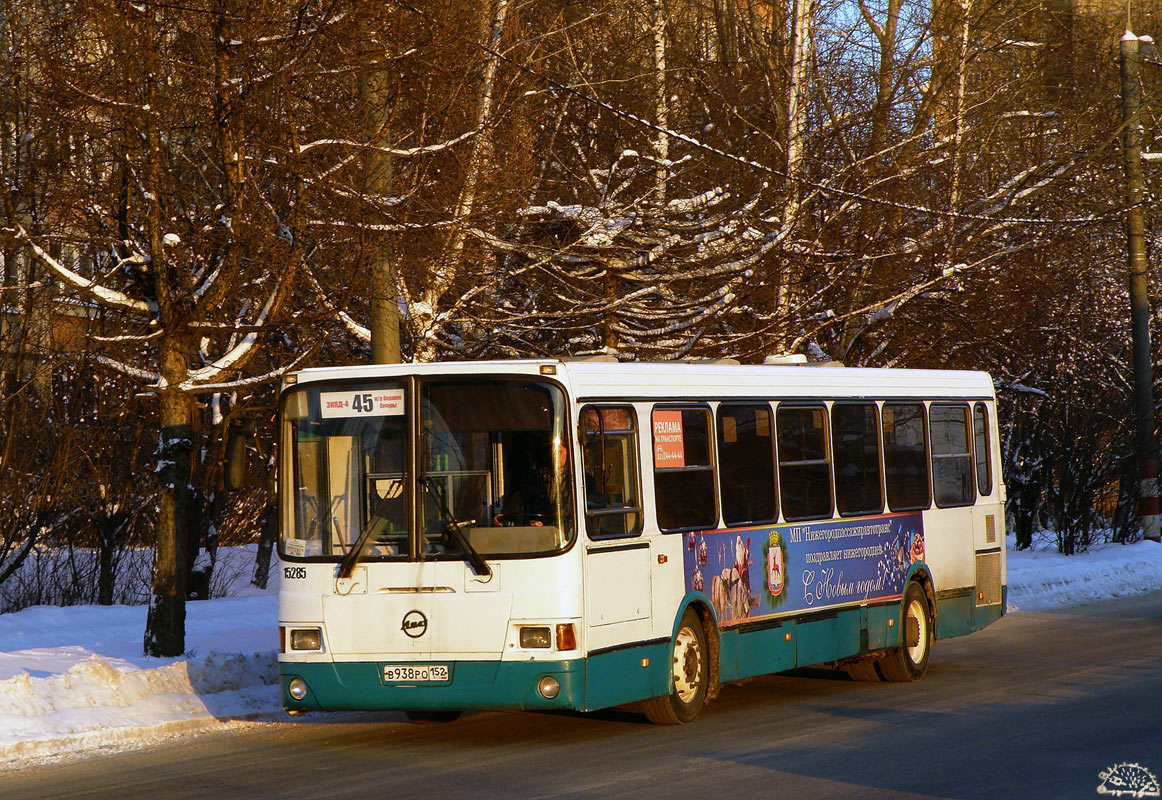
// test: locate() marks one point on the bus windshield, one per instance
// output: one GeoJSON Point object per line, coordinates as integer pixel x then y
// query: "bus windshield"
{"type": "Point", "coordinates": [489, 473]}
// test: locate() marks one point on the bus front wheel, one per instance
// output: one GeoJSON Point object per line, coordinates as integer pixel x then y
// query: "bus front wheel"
{"type": "Point", "coordinates": [689, 675]}
{"type": "Point", "coordinates": [909, 661]}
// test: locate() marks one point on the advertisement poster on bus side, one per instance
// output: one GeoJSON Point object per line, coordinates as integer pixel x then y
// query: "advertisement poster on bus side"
{"type": "Point", "coordinates": [669, 444]}
{"type": "Point", "coordinates": [800, 567]}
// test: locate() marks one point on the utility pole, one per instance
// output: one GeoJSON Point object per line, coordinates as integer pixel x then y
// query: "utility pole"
{"type": "Point", "coordinates": [375, 95]}
{"type": "Point", "coordinates": [1147, 444]}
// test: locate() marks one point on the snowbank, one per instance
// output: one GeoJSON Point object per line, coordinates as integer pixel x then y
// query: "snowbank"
{"type": "Point", "coordinates": [1043, 578]}
{"type": "Point", "coordinates": [74, 680]}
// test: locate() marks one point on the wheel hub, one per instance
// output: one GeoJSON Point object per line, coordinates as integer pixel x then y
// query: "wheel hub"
{"type": "Point", "coordinates": [687, 665]}
{"type": "Point", "coordinates": [917, 621]}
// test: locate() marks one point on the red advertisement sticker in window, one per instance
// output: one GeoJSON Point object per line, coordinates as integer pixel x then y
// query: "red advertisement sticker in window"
{"type": "Point", "coordinates": [669, 448]}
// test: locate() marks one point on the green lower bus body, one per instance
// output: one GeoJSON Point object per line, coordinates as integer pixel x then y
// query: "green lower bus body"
{"type": "Point", "coordinates": [626, 674]}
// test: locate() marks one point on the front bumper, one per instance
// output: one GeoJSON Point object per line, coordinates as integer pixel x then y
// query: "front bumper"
{"type": "Point", "coordinates": [359, 686]}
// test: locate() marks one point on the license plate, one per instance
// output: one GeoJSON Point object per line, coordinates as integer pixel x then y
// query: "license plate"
{"type": "Point", "coordinates": [416, 673]}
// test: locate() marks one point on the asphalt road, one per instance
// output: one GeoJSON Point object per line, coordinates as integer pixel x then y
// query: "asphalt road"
{"type": "Point", "coordinates": [1036, 706]}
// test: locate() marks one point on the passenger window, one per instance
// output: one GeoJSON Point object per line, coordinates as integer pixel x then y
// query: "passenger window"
{"type": "Point", "coordinates": [609, 450]}
{"type": "Point", "coordinates": [905, 456]}
{"type": "Point", "coordinates": [746, 464]}
{"type": "Point", "coordinates": [683, 471]}
{"type": "Point", "coordinates": [951, 458]}
{"type": "Point", "coordinates": [856, 444]}
{"type": "Point", "coordinates": [980, 436]}
{"type": "Point", "coordinates": [804, 470]}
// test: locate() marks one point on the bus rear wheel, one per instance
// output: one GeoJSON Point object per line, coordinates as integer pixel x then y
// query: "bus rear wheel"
{"type": "Point", "coordinates": [862, 671]}
{"type": "Point", "coordinates": [909, 661]}
{"type": "Point", "coordinates": [689, 676]}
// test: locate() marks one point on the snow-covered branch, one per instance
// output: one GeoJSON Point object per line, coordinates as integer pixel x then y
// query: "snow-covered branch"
{"type": "Point", "coordinates": [152, 379]}
{"type": "Point", "coordinates": [236, 357]}
{"type": "Point", "coordinates": [401, 152]}
{"type": "Point", "coordinates": [110, 298]}
{"type": "Point", "coordinates": [258, 380]}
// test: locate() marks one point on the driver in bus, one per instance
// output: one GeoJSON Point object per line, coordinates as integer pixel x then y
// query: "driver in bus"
{"type": "Point", "coordinates": [532, 499]}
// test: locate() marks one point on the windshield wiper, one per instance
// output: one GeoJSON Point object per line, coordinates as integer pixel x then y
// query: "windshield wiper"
{"type": "Point", "coordinates": [361, 546]}
{"type": "Point", "coordinates": [478, 564]}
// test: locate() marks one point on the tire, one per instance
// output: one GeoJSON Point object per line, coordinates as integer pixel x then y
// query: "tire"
{"type": "Point", "coordinates": [689, 676]}
{"type": "Point", "coordinates": [909, 661]}
{"type": "Point", "coordinates": [432, 717]}
{"type": "Point", "coordinates": [862, 671]}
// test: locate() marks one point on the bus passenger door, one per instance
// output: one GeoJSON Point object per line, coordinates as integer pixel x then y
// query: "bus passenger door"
{"type": "Point", "coordinates": [618, 580]}
{"type": "Point", "coordinates": [618, 594]}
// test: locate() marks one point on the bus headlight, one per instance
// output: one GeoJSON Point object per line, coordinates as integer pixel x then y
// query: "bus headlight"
{"type": "Point", "coordinates": [549, 687]}
{"type": "Point", "coordinates": [535, 637]}
{"type": "Point", "coordinates": [297, 688]}
{"type": "Point", "coordinates": [306, 639]}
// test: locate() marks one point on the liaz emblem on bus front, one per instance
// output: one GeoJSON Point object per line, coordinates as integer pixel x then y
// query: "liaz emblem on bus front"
{"type": "Point", "coordinates": [804, 566]}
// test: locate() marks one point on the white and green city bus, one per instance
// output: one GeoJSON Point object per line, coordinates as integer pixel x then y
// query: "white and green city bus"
{"type": "Point", "coordinates": [557, 534]}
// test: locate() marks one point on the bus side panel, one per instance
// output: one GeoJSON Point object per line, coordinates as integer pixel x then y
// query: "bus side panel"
{"type": "Point", "coordinates": [882, 632]}
{"type": "Point", "coordinates": [960, 615]}
{"type": "Point", "coordinates": [746, 653]}
{"type": "Point", "coordinates": [954, 615]}
{"type": "Point", "coordinates": [987, 615]}
{"type": "Point", "coordinates": [627, 675]}
{"type": "Point", "coordinates": [948, 544]}
{"type": "Point", "coordinates": [828, 637]}
{"type": "Point", "coordinates": [759, 652]}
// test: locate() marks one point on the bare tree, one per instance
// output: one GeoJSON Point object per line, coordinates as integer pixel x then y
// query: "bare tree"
{"type": "Point", "coordinates": [194, 264]}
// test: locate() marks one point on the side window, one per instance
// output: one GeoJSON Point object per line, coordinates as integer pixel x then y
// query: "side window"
{"type": "Point", "coordinates": [980, 437]}
{"type": "Point", "coordinates": [683, 470]}
{"type": "Point", "coordinates": [609, 452]}
{"type": "Point", "coordinates": [951, 458]}
{"type": "Point", "coordinates": [855, 441]}
{"type": "Point", "coordinates": [746, 464]}
{"type": "Point", "coordinates": [905, 456]}
{"type": "Point", "coordinates": [804, 471]}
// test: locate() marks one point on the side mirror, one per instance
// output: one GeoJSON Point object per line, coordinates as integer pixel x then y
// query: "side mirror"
{"type": "Point", "coordinates": [234, 470]}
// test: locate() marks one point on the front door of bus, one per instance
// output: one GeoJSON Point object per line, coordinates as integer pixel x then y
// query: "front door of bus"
{"type": "Point", "coordinates": [618, 574]}
{"type": "Point", "coordinates": [618, 595]}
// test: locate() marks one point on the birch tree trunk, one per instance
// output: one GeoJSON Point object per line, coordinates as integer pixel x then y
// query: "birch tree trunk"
{"type": "Point", "coordinates": [956, 102]}
{"type": "Point", "coordinates": [802, 13]}
{"type": "Point", "coordinates": [872, 216]}
{"type": "Point", "coordinates": [801, 19]}
{"type": "Point", "coordinates": [661, 102]}
{"type": "Point", "coordinates": [425, 313]}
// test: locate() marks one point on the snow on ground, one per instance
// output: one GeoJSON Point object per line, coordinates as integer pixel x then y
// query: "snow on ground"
{"type": "Point", "coordinates": [73, 680]}
{"type": "Point", "coordinates": [1043, 578]}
